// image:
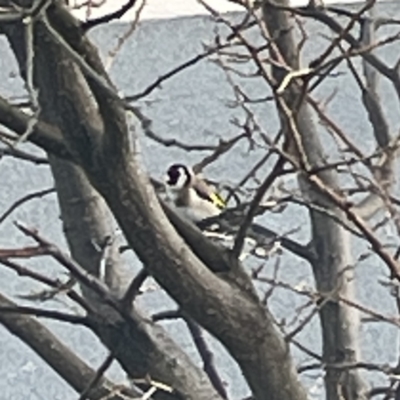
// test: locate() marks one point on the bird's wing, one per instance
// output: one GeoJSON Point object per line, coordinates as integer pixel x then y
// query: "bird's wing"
{"type": "Point", "coordinates": [206, 193]}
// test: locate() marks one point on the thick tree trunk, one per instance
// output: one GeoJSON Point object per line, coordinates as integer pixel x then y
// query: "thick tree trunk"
{"type": "Point", "coordinates": [87, 223]}
{"type": "Point", "coordinates": [228, 308]}
{"type": "Point", "coordinates": [332, 265]}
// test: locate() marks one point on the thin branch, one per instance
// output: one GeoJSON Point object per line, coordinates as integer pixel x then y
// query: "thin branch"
{"type": "Point", "coordinates": [250, 174]}
{"type": "Point", "coordinates": [38, 8]}
{"type": "Point", "coordinates": [22, 155]}
{"type": "Point", "coordinates": [122, 39]}
{"type": "Point", "coordinates": [58, 356]}
{"type": "Point", "coordinates": [323, 298]}
{"type": "Point", "coordinates": [323, 211]}
{"type": "Point", "coordinates": [162, 78]}
{"type": "Point", "coordinates": [289, 337]}
{"type": "Point", "coordinates": [146, 126]}
{"type": "Point", "coordinates": [315, 13]}
{"type": "Point", "coordinates": [25, 252]}
{"type": "Point", "coordinates": [17, 13]}
{"type": "Point", "coordinates": [207, 357]}
{"type": "Point", "coordinates": [54, 283]}
{"type": "Point", "coordinates": [347, 366]}
{"type": "Point", "coordinates": [23, 200]}
{"type": "Point", "coordinates": [306, 350]}
{"type": "Point", "coordinates": [166, 315]}
{"type": "Point", "coordinates": [52, 314]}
{"type": "Point", "coordinates": [108, 17]}
{"type": "Point", "coordinates": [241, 235]}
{"type": "Point", "coordinates": [134, 288]}
{"type": "Point", "coordinates": [334, 127]}
{"type": "Point", "coordinates": [341, 202]}
{"type": "Point", "coordinates": [353, 216]}
{"type": "Point", "coordinates": [97, 377]}
{"type": "Point", "coordinates": [361, 20]}
{"type": "Point", "coordinates": [223, 147]}
{"type": "Point", "coordinates": [47, 137]}
{"type": "Point", "coordinates": [72, 266]}
{"type": "Point", "coordinates": [344, 31]}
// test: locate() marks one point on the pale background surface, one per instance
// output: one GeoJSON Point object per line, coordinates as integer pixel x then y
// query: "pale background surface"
{"type": "Point", "coordinates": [168, 8]}
{"type": "Point", "coordinates": [193, 108]}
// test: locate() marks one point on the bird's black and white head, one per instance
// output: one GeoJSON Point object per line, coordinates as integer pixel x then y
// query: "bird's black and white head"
{"type": "Point", "coordinates": [179, 176]}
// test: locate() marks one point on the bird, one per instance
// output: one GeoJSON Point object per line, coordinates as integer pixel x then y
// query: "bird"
{"type": "Point", "coordinates": [192, 196]}
{"type": "Point", "coordinates": [195, 200]}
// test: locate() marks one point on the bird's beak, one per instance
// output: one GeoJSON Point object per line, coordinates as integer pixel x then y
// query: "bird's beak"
{"type": "Point", "coordinates": [167, 179]}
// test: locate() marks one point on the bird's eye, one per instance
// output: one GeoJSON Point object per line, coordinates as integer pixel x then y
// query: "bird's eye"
{"type": "Point", "coordinates": [173, 175]}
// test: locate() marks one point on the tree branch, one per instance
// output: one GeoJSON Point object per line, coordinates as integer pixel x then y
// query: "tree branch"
{"type": "Point", "coordinates": [23, 200]}
{"type": "Point", "coordinates": [97, 378]}
{"type": "Point", "coordinates": [56, 284]}
{"type": "Point", "coordinates": [52, 314]}
{"type": "Point", "coordinates": [109, 17]}
{"type": "Point", "coordinates": [207, 357]}
{"type": "Point", "coordinates": [43, 135]}
{"type": "Point", "coordinates": [275, 173]}
{"type": "Point", "coordinates": [59, 357]}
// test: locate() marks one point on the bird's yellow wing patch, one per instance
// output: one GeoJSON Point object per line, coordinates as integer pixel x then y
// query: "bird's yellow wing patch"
{"type": "Point", "coordinates": [217, 200]}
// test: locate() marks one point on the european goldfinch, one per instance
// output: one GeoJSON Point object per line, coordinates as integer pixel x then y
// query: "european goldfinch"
{"type": "Point", "coordinates": [191, 194]}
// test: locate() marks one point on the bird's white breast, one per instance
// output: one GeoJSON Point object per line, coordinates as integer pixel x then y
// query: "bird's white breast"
{"type": "Point", "coordinates": [196, 208]}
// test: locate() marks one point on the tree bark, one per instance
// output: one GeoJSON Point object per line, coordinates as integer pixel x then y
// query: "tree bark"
{"type": "Point", "coordinates": [225, 305]}
{"type": "Point", "coordinates": [87, 222]}
{"type": "Point", "coordinates": [58, 356]}
{"type": "Point", "coordinates": [332, 264]}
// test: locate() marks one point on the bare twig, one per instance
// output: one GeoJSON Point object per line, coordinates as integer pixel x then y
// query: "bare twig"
{"type": "Point", "coordinates": [121, 40]}
{"type": "Point", "coordinates": [97, 377]}
{"type": "Point", "coordinates": [207, 357]}
{"type": "Point", "coordinates": [38, 8]}
{"type": "Point", "coordinates": [240, 237]}
{"type": "Point", "coordinates": [23, 200]}
{"type": "Point", "coordinates": [52, 314]}
{"type": "Point", "coordinates": [109, 17]}
{"type": "Point", "coordinates": [45, 247]}
{"type": "Point", "coordinates": [166, 315]}
{"type": "Point", "coordinates": [54, 283]}
{"type": "Point", "coordinates": [11, 151]}
{"type": "Point", "coordinates": [342, 34]}
{"type": "Point", "coordinates": [251, 173]}
{"type": "Point", "coordinates": [319, 15]}
{"type": "Point", "coordinates": [46, 136]}
{"type": "Point", "coordinates": [161, 79]}
{"type": "Point", "coordinates": [134, 288]}
{"type": "Point", "coordinates": [223, 147]}
{"type": "Point", "coordinates": [25, 252]}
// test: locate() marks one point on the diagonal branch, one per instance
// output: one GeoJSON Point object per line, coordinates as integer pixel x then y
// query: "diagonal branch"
{"type": "Point", "coordinates": [275, 173]}
{"type": "Point", "coordinates": [108, 17]}
{"type": "Point", "coordinates": [97, 378]}
{"type": "Point", "coordinates": [207, 357]}
{"type": "Point", "coordinates": [47, 137]}
{"type": "Point", "coordinates": [53, 283]}
{"type": "Point", "coordinates": [52, 314]}
{"type": "Point", "coordinates": [164, 77]}
{"type": "Point", "coordinates": [319, 15]}
{"type": "Point", "coordinates": [76, 270]}
{"type": "Point", "coordinates": [21, 155]}
{"type": "Point", "coordinates": [58, 356]}
{"type": "Point", "coordinates": [23, 200]}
